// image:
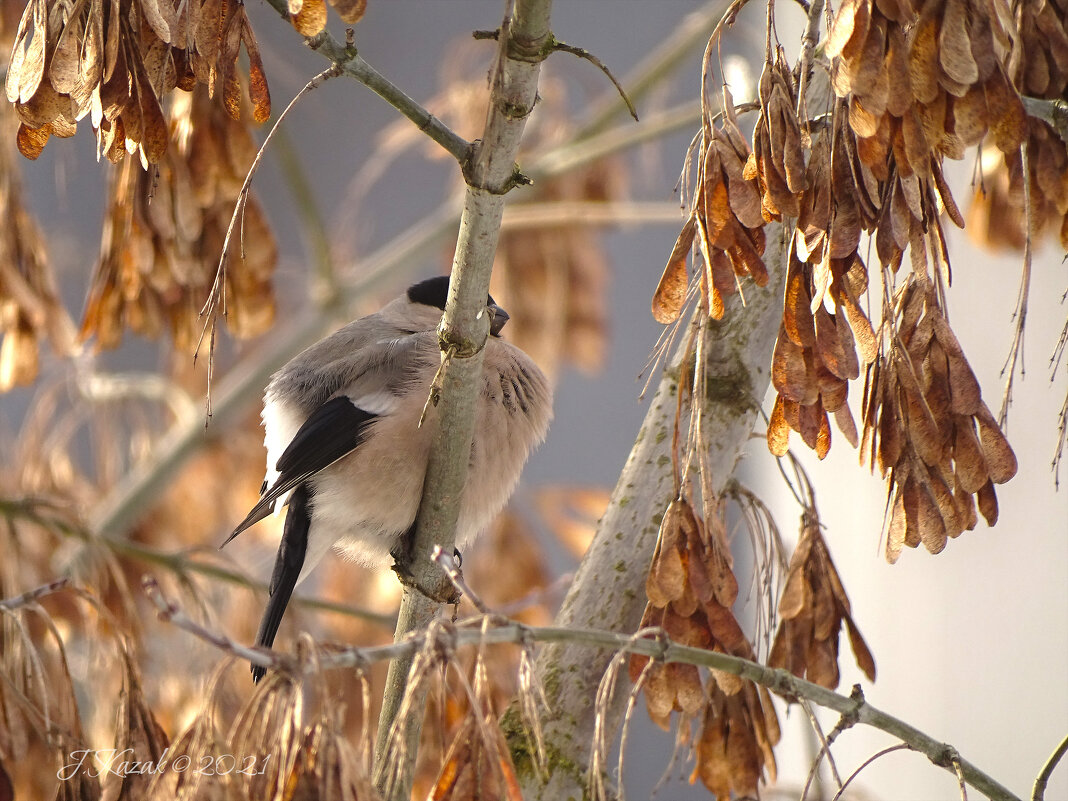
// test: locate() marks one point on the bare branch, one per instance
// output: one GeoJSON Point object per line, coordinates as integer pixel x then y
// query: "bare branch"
{"type": "Point", "coordinates": [590, 57]}
{"type": "Point", "coordinates": [581, 53]}
{"type": "Point", "coordinates": [1039, 791]}
{"type": "Point", "coordinates": [808, 46]}
{"type": "Point", "coordinates": [34, 595]}
{"type": "Point", "coordinates": [825, 745]}
{"type": "Point", "coordinates": [1053, 112]}
{"type": "Point", "coordinates": [481, 631]}
{"type": "Point", "coordinates": [353, 65]}
{"type": "Point", "coordinates": [348, 61]}
{"type": "Point", "coordinates": [690, 33]}
{"type": "Point", "coordinates": [847, 721]}
{"type": "Point", "coordinates": [170, 612]}
{"type": "Point", "coordinates": [490, 172]}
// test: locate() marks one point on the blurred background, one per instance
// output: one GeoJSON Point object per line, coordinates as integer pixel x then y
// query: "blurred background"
{"type": "Point", "coordinates": [971, 645]}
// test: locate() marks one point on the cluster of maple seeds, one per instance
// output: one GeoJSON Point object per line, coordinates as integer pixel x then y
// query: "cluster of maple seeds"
{"type": "Point", "coordinates": [928, 427]}
{"type": "Point", "coordinates": [691, 590]}
{"type": "Point", "coordinates": [726, 205]}
{"type": "Point", "coordinates": [924, 84]}
{"type": "Point", "coordinates": [117, 61]}
{"type": "Point", "coordinates": [1039, 67]}
{"type": "Point", "coordinates": [917, 87]}
{"type": "Point", "coordinates": [159, 258]}
{"type": "Point", "coordinates": [812, 609]}
{"type": "Point", "coordinates": [913, 86]}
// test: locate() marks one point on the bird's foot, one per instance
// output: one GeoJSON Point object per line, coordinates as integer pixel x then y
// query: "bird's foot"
{"type": "Point", "coordinates": [435, 585]}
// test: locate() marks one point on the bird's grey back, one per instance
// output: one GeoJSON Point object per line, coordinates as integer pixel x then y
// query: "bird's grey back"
{"type": "Point", "coordinates": [364, 358]}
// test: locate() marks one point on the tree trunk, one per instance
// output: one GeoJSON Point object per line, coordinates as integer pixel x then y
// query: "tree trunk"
{"type": "Point", "coordinates": [609, 588]}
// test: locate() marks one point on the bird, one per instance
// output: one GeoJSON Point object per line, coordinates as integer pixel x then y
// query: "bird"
{"type": "Point", "coordinates": [347, 451]}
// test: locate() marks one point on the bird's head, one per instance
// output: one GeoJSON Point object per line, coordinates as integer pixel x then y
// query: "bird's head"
{"type": "Point", "coordinates": [429, 296]}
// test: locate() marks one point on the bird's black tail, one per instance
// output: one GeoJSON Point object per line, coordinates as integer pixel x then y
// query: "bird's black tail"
{"type": "Point", "coordinates": [287, 566]}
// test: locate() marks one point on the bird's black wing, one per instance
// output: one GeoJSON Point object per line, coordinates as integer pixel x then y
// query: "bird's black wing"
{"type": "Point", "coordinates": [287, 566]}
{"type": "Point", "coordinates": [332, 431]}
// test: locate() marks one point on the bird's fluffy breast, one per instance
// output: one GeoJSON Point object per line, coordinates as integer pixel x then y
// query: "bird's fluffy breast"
{"type": "Point", "coordinates": [368, 499]}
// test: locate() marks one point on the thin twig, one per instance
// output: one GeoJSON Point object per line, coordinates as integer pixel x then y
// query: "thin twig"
{"type": "Point", "coordinates": [1052, 111]}
{"type": "Point", "coordinates": [846, 721]}
{"type": "Point", "coordinates": [170, 612]}
{"type": "Point", "coordinates": [804, 65]}
{"type": "Point", "coordinates": [354, 66]}
{"type": "Point", "coordinates": [955, 762]}
{"type": "Point", "coordinates": [1020, 314]}
{"type": "Point", "coordinates": [1039, 791]}
{"type": "Point", "coordinates": [452, 570]}
{"type": "Point", "coordinates": [825, 745]}
{"type": "Point", "coordinates": [581, 53]}
{"type": "Point", "coordinates": [1062, 441]}
{"type": "Point", "coordinates": [590, 57]}
{"type": "Point", "coordinates": [34, 595]}
{"type": "Point", "coordinates": [690, 33]}
{"type": "Point", "coordinates": [865, 763]}
{"type": "Point", "coordinates": [216, 297]}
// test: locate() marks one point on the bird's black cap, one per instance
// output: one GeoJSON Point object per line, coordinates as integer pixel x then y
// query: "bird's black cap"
{"type": "Point", "coordinates": [434, 292]}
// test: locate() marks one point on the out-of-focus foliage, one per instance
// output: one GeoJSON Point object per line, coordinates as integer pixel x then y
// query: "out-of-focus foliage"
{"type": "Point", "coordinates": [164, 231]}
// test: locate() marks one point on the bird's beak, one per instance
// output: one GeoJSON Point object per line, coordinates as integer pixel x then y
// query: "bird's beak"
{"type": "Point", "coordinates": [497, 321]}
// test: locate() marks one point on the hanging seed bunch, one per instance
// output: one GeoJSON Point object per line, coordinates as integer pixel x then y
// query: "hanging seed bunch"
{"type": "Point", "coordinates": [912, 84]}
{"type": "Point", "coordinates": [815, 356]}
{"type": "Point", "coordinates": [778, 159]}
{"type": "Point", "coordinates": [161, 243]}
{"type": "Point", "coordinates": [726, 222]}
{"type": "Point", "coordinates": [825, 335]}
{"type": "Point", "coordinates": [116, 62]}
{"type": "Point", "coordinates": [929, 431]}
{"type": "Point", "coordinates": [812, 609]}
{"type": "Point", "coordinates": [691, 590]}
{"type": "Point", "coordinates": [920, 83]}
{"type": "Point", "coordinates": [924, 81]}
{"type": "Point", "coordinates": [1039, 68]}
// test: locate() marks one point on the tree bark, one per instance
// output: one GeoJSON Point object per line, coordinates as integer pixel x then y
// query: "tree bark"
{"type": "Point", "coordinates": [609, 588]}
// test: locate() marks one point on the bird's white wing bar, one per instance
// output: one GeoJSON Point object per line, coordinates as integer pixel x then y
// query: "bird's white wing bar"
{"type": "Point", "coordinates": [332, 431]}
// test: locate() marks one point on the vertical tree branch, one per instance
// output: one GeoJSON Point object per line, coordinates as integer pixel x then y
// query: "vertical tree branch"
{"type": "Point", "coordinates": [524, 41]}
{"type": "Point", "coordinates": [608, 589]}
